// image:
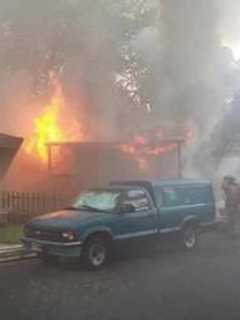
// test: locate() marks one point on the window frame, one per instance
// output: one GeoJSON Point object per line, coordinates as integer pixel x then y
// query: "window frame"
{"type": "Point", "coordinates": [160, 189]}
{"type": "Point", "coordinates": [147, 195]}
{"type": "Point", "coordinates": [208, 194]}
{"type": "Point", "coordinates": [181, 190]}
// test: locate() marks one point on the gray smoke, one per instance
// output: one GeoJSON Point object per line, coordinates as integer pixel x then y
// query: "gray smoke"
{"type": "Point", "coordinates": [199, 74]}
{"type": "Point", "coordinates": [178, 44]}
{"type": "Point", "coordinates": [182, 48]}
{"type": "Point", "coordinates": [190, 74]}
{"type": "Point", "coordinates": [72, 38]}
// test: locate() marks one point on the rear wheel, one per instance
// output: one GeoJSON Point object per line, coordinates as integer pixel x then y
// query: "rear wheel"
{"type": "Point", "coordinates": [189, 237]}
{"type": "Point", "coordinates": [96, 252]}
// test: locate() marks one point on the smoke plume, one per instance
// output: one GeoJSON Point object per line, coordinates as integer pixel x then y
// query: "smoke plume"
{"type": "Point", "coordinates": [182, 74]}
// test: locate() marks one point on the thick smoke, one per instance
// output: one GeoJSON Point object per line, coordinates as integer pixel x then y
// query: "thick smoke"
{"type": "Point", "coordinates": [191, 74]}
{"type": "Point", "coordinates": [72, 38]}
{"type": "Point", "coordinates": [200, 73]}
{"type": "Point", "coordinates": [192, 68]}
{"type": "Point", "coordinates": [189, 64]}
{"type": "Point", "coordinates": [186, 76]}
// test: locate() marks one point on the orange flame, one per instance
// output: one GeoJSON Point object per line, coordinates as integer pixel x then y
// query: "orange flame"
{"type": "Point", "coordinates": [54, 124]}
{"type": "Point", "coordinates": [153, 145]}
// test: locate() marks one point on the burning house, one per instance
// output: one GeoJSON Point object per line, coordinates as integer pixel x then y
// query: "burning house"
{"type": "Point", "coordinates": [83, 164]}
{"type": "Point", "coordinates": [59, 155]}
{"type": "Point", "coordinates": [72, 166]}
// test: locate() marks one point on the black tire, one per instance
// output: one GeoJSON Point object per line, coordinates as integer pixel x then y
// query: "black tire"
{"type": "Point", "coordinates": [189, 237]}
{"type": "Point", "coordinates": [47, 258]}
{"type": "Point", "coordinates": [96, 252]}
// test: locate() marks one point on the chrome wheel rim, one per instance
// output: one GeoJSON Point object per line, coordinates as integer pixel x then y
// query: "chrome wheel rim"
{"type": "Point", "coordinates": [189, 238]}
{"type": "Point", "coordinates": [97, 254]}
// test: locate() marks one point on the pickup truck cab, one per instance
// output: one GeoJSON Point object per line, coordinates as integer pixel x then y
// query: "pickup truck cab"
{"type": "Point", "coordinates": [124, 211]}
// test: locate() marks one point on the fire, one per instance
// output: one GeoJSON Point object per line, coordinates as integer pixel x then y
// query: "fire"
{"type": "Point", "coordinates": [153, 145]}
{"type": "Point", "coordinates": [141, 150]}
{"type": "Point", "coordinates": [53, 124]}
{"type": "Point", "coordinates": [140, 145]}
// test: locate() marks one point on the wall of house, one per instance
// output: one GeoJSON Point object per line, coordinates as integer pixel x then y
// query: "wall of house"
{"type": "Point", "coordinates": [79, 166]}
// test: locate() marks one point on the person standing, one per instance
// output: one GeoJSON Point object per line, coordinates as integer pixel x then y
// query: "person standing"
{"type": "Point", "coordinates": [232, 199]}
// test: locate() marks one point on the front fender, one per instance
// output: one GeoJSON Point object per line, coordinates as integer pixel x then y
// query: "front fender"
{"type": "Point", "coordinates": [93, 230]}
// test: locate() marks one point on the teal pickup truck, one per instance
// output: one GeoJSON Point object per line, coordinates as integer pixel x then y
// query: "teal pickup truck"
{"type": "Point", "coordinates": [123, 211]}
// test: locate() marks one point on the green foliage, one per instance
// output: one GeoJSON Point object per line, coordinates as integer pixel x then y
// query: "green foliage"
{"type": "Point", "coordinates": [11, 234]}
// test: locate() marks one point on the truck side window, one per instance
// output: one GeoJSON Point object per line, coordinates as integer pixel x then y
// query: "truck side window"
{"type": "Point", "coordinates": [172, 196]}
{"type": "Point", "coordinates": [197, 195]}
{"type": "Point", "coordinates": [139, 199]}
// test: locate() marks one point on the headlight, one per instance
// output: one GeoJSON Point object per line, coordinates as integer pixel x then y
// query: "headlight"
{"type": "Point", "coordinates": [68, 235]}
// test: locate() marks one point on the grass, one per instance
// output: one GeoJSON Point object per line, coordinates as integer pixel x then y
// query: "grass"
{"type": "Point", "coordinates": [10, 234]}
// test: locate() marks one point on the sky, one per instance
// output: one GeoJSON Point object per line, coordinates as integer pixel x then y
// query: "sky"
{"type": "Point", "coordinates": [229, 27]}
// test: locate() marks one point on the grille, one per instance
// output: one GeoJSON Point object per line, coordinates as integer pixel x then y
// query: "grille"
{"type": "Point", "coordinates": [44, 235]}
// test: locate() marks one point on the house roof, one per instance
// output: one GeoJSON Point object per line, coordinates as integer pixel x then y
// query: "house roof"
{"type": "Point", "coordinates": [9, 146]}
{"type": "Point", "coordinates": [113, 143]}
{"type": "Point", "coordinates": [10, 142]}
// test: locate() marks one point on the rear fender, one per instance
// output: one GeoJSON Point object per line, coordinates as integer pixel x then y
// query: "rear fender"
{"type": "Point", "coordinates": [190, 220]}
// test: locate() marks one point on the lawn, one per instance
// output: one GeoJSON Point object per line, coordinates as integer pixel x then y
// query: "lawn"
{"type": "Point", "coordinates": [11, 234]}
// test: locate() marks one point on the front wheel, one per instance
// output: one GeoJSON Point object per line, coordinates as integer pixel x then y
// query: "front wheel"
{"type": "Point", "coordinates": [189, 238]}
{"type": "Point", "coordinates": [96, 253]}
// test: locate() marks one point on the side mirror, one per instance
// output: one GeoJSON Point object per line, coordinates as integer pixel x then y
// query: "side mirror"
{"type": "Point", "coordinates": [126, 208]}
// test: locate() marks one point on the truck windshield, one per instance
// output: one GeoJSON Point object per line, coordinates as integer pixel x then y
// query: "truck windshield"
{"type": "Point", "coordinates": [96, 200]}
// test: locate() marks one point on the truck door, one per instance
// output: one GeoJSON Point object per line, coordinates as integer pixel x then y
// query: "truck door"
{"type": "Point", "coordinates": [142, 221]}
{"type": "Point", "coordinates": [172, 210]}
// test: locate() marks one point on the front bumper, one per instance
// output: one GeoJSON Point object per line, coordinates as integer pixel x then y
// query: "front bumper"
{"type": "Point", "coordinates": [68, 249]}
